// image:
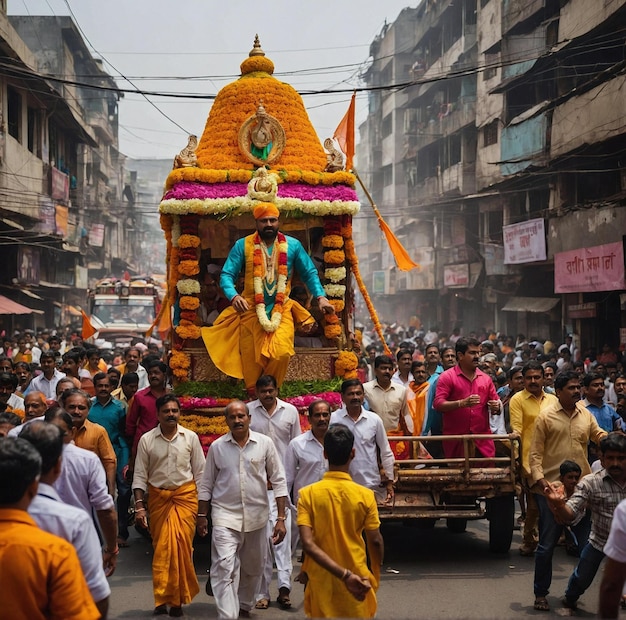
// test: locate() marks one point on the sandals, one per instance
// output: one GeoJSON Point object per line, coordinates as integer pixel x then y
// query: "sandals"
{"type": "Point", "coordinates": [262, 603]}
{"type": "Point", "coordinates": [284, 602]}
{"type": "Point", "coordinates": [541, 604]}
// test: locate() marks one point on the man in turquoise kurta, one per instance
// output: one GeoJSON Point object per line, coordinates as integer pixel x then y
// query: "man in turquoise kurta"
{"type": "Point", "coordinates": [239, 345]}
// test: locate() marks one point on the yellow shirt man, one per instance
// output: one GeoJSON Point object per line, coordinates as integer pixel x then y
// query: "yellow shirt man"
{"type": "Point", "coordinates": [350, 509]}
{"type": "Point", "coordinates": [40, 573]}
{"type": "Point", "coordinates": [524, 408]}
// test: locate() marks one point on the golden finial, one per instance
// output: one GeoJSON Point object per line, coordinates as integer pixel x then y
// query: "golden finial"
{"type": "Point", "coordinates": [256, 49]}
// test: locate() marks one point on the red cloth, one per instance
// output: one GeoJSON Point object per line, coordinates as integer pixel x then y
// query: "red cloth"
{"type": "Point", "coordinates": [142, 415]}
{"type": "Point", "coordinates": [454, 385]}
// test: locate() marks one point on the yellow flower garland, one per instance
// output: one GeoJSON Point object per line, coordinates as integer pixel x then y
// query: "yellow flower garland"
{"type": "Point", "coordinates": [332, 241]}
{"type": "Point", "coordinates": [346, 362]}
{"type": "Point", "coordinates": [188, 268]}
{"type": "Point", "coordinates": [189, 303]}
{"type": "Point", "coordinates": [334, 257]}
{"type": "Point", "coordinates": [188, 241]}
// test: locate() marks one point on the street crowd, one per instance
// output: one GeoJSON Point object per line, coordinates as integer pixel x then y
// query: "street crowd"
{"type": "Point", "coordinates": [91, 440]}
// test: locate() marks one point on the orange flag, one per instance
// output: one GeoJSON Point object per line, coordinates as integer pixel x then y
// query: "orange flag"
{"type": "Point", "coordinates": [344, 134]}
{"type": "Point", "coordinates": [88, 329]}
{"type": "Point", "coordinates": [163, 321]}
{"type": "Point", "coordinates": [401, 256]}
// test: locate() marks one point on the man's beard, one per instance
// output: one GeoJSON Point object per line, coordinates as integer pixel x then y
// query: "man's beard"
{"type": "Point", "coordinates": [268, 235]}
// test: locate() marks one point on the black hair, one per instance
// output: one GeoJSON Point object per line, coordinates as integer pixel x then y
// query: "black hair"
{"type": "Point", "coordinates": [20, 464]}
{"type": "Point", "coordinates": [72, 355]}
{"type": "Point", "coordinates": [568, 467]}
{"type": "Point", "coordinates": [58, 413]}
{"type": "Point", "coordinates": [513, 371]}
{"type": "Point", "coordinates": [532, 365]}
{"type": "Point", "coordinates": [99, 376]}
{"type": "Point", "coordinates": [157, 364]}
{"type": "Point", "coordinates": [265, 381]}
{"type": "Point", "coordinates": [317, 402]}
{"type": "Point", "coordinates": [402, 352]}
{"type": "Point", "coordinates": [48, 440]}
{"type": "Point", "coordinates": [13, 419]}
{"type": "Point", "coordinates": [463, 344]}
{"type": "Point", "coordinates": [348, 383]}
{"type": "Point", "coordinates": [383, 360]}
{"type": "Point", "coordinates": [129, 378]}
{"type": "Point", "coordinates": [338, 444]}
{"type": "Point", "coordinates": [563, 378]}
{"type": "Point", "coordinates": [8, 378]}
{"type": "Point", "coordinates": [615, 442]}
{"type": "Point", "coordinates": [166, 398]}
{"type": "Point", "coordinates": [592, 376]}
{"type": "Point", "coordinates": [47, 355]}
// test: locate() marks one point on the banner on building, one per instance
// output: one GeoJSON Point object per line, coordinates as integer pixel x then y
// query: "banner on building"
{"type": "Point", "coordinates": [61, 215]}
{"type": "Point", "coordinates": [524, 242]}
{"type": "Point", "coordinates": [599, 268]}
{"type": "Point", "coordinates": [82, 277]}
{"type": "Point", "coordinates": [96, 235]}
{"type": "Point", "coordinates": [46, 216]}
{"type": "Point", "coordinates": [456, 276]}
{"type": "Point", "coordinates": [59, 185]}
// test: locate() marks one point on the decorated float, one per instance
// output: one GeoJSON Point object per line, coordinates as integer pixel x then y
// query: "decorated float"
{"type": "Point", "coordinates": [258, 146]}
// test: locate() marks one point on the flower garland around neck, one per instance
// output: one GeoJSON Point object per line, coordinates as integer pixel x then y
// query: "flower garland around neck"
{"type": "Point", "coordinates": [260, 279]}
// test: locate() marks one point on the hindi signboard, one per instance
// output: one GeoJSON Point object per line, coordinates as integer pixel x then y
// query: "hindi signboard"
{"type": "Point", "coordinates": [599, 268]}
{"type": "Point", "coordinates": [524, 242]}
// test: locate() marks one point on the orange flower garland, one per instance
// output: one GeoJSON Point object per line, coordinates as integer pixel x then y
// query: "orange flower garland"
{"type": "Point", "coordinates": [354, 264]}
{"type": "Point", "coordinates": [188, 241]}
{"type": "Point", "coordinates": [346, 365]}
{"type": "Point", "coordinates": [189, 303]}
{"type": "Point", "coordinates": [188, 268]}
{"type": "Point", "coordinates": [338, 304]}
{"type": "Point", "coordinates": [334, 257]}
{"type": "Point", "coordinates": [180, 363]}
{"type": "Point", "coordinates": [334, 260]}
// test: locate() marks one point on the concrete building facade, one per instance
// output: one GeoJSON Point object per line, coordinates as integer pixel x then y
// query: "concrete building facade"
{"type": "Point", "coordinates": [511, 166]}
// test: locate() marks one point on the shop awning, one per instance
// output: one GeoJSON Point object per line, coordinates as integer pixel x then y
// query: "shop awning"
{"type": "Point", "coordinates": [7, 306]}
{"type": "Point", "coordinates": [530, 304]}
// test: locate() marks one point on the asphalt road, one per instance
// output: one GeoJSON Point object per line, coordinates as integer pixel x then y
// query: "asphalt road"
{"type": "Point", "coordinates": [427, 574]}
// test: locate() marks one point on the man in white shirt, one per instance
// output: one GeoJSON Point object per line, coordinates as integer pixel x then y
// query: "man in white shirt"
{"type": "Point", "coordinates": [82, 483]}
{"type": "Point", "coordinates": [170, 463]}
{"type": "Point", "coordinates": [370, 435]}
{"type": "Point", "coordinates": [239, 465]}
{"type": "Point", "coordinates": [612, 586]}
{"type": "Point", "coordinates": [47, 381]}
{"type": "Point", "coordinates": [403, 375]}
{"type": "Point", "coordinates": [281, 422]}
{"type": "Point", "coordinates": [388, 398]}
{"type": "Point", "coordinates": [70, 523]}
{"type": "Point", "coordinates": [305, 462]}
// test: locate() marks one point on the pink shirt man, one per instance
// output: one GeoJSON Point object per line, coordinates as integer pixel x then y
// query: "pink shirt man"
{"type": "Point", "coordinates": [454, 385]}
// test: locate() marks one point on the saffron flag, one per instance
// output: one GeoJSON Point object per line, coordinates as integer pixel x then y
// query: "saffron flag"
{"type": "Point", "coordinates": [163, 321]}
{"type": "Point", "coordinates": [88, 329]}
{"type": "Point", "coordinates": [344, 134]}
{"type": "Point", "coordinates": [401, 256]}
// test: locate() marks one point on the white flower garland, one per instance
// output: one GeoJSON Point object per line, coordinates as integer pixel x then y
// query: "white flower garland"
{"type": "Point", "coordinates": [335, 290]}
{"type": "Point", "coordinates": [335, 274]}
{"type": "Point", "coordinates": [187, 286]}
{"type": "Point", "coordinates": [243, 204]}
{"type": "Point", "coordinates": [270, 325]}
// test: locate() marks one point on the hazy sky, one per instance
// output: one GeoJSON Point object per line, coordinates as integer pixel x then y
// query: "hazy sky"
{"type": "Point", "coordinates": [196, 46]}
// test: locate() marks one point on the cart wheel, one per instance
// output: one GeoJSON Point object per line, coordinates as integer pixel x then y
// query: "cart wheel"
{"type": "Point", "coordinates": [458, 526]}
{"type": "Point", "coordinates": [501, 515]}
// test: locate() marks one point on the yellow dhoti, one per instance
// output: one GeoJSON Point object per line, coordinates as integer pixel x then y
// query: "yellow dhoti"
{"type": "Point", "coordinates": [173, 525]}
{"type": "Point", "coordinates": [241, 348]}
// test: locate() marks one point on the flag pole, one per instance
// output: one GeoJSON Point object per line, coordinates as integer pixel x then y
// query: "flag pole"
{"type": "Point", "coordinates": [401, 256]}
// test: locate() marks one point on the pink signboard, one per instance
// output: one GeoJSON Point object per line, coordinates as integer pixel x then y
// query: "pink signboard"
{"type": "Point", "coordinates": [600, 268]}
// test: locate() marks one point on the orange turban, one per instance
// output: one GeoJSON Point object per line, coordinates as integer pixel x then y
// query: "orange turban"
{"type": "Point", "coordinates": [265, 209]}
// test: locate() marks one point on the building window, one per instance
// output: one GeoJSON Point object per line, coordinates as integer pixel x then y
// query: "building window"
{"type": "Point", "coordinates": [387, 125]}
{"type": "Point", "coordinates": [34, 131]}
{"type": "Point", "coordinates": [14, 113]}
{"type": "Point", "coordinates": [491, 66]}
{"type": "Point", "coordinates": [490, 133]}
{"type": "Point", "coordinates": [388, 175]}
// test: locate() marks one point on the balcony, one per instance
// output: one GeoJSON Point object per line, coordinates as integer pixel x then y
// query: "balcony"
{"type": "Point", "coordinates": [456, 180]}
{"type": "Point", "coordinates": [589, 118]}
{"type": "Point", "coordinates": [516, 12]}
{"type": "Point", "coordinates": [102, 126]}
{"type": "Point", "coordinates": [524, 142]}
